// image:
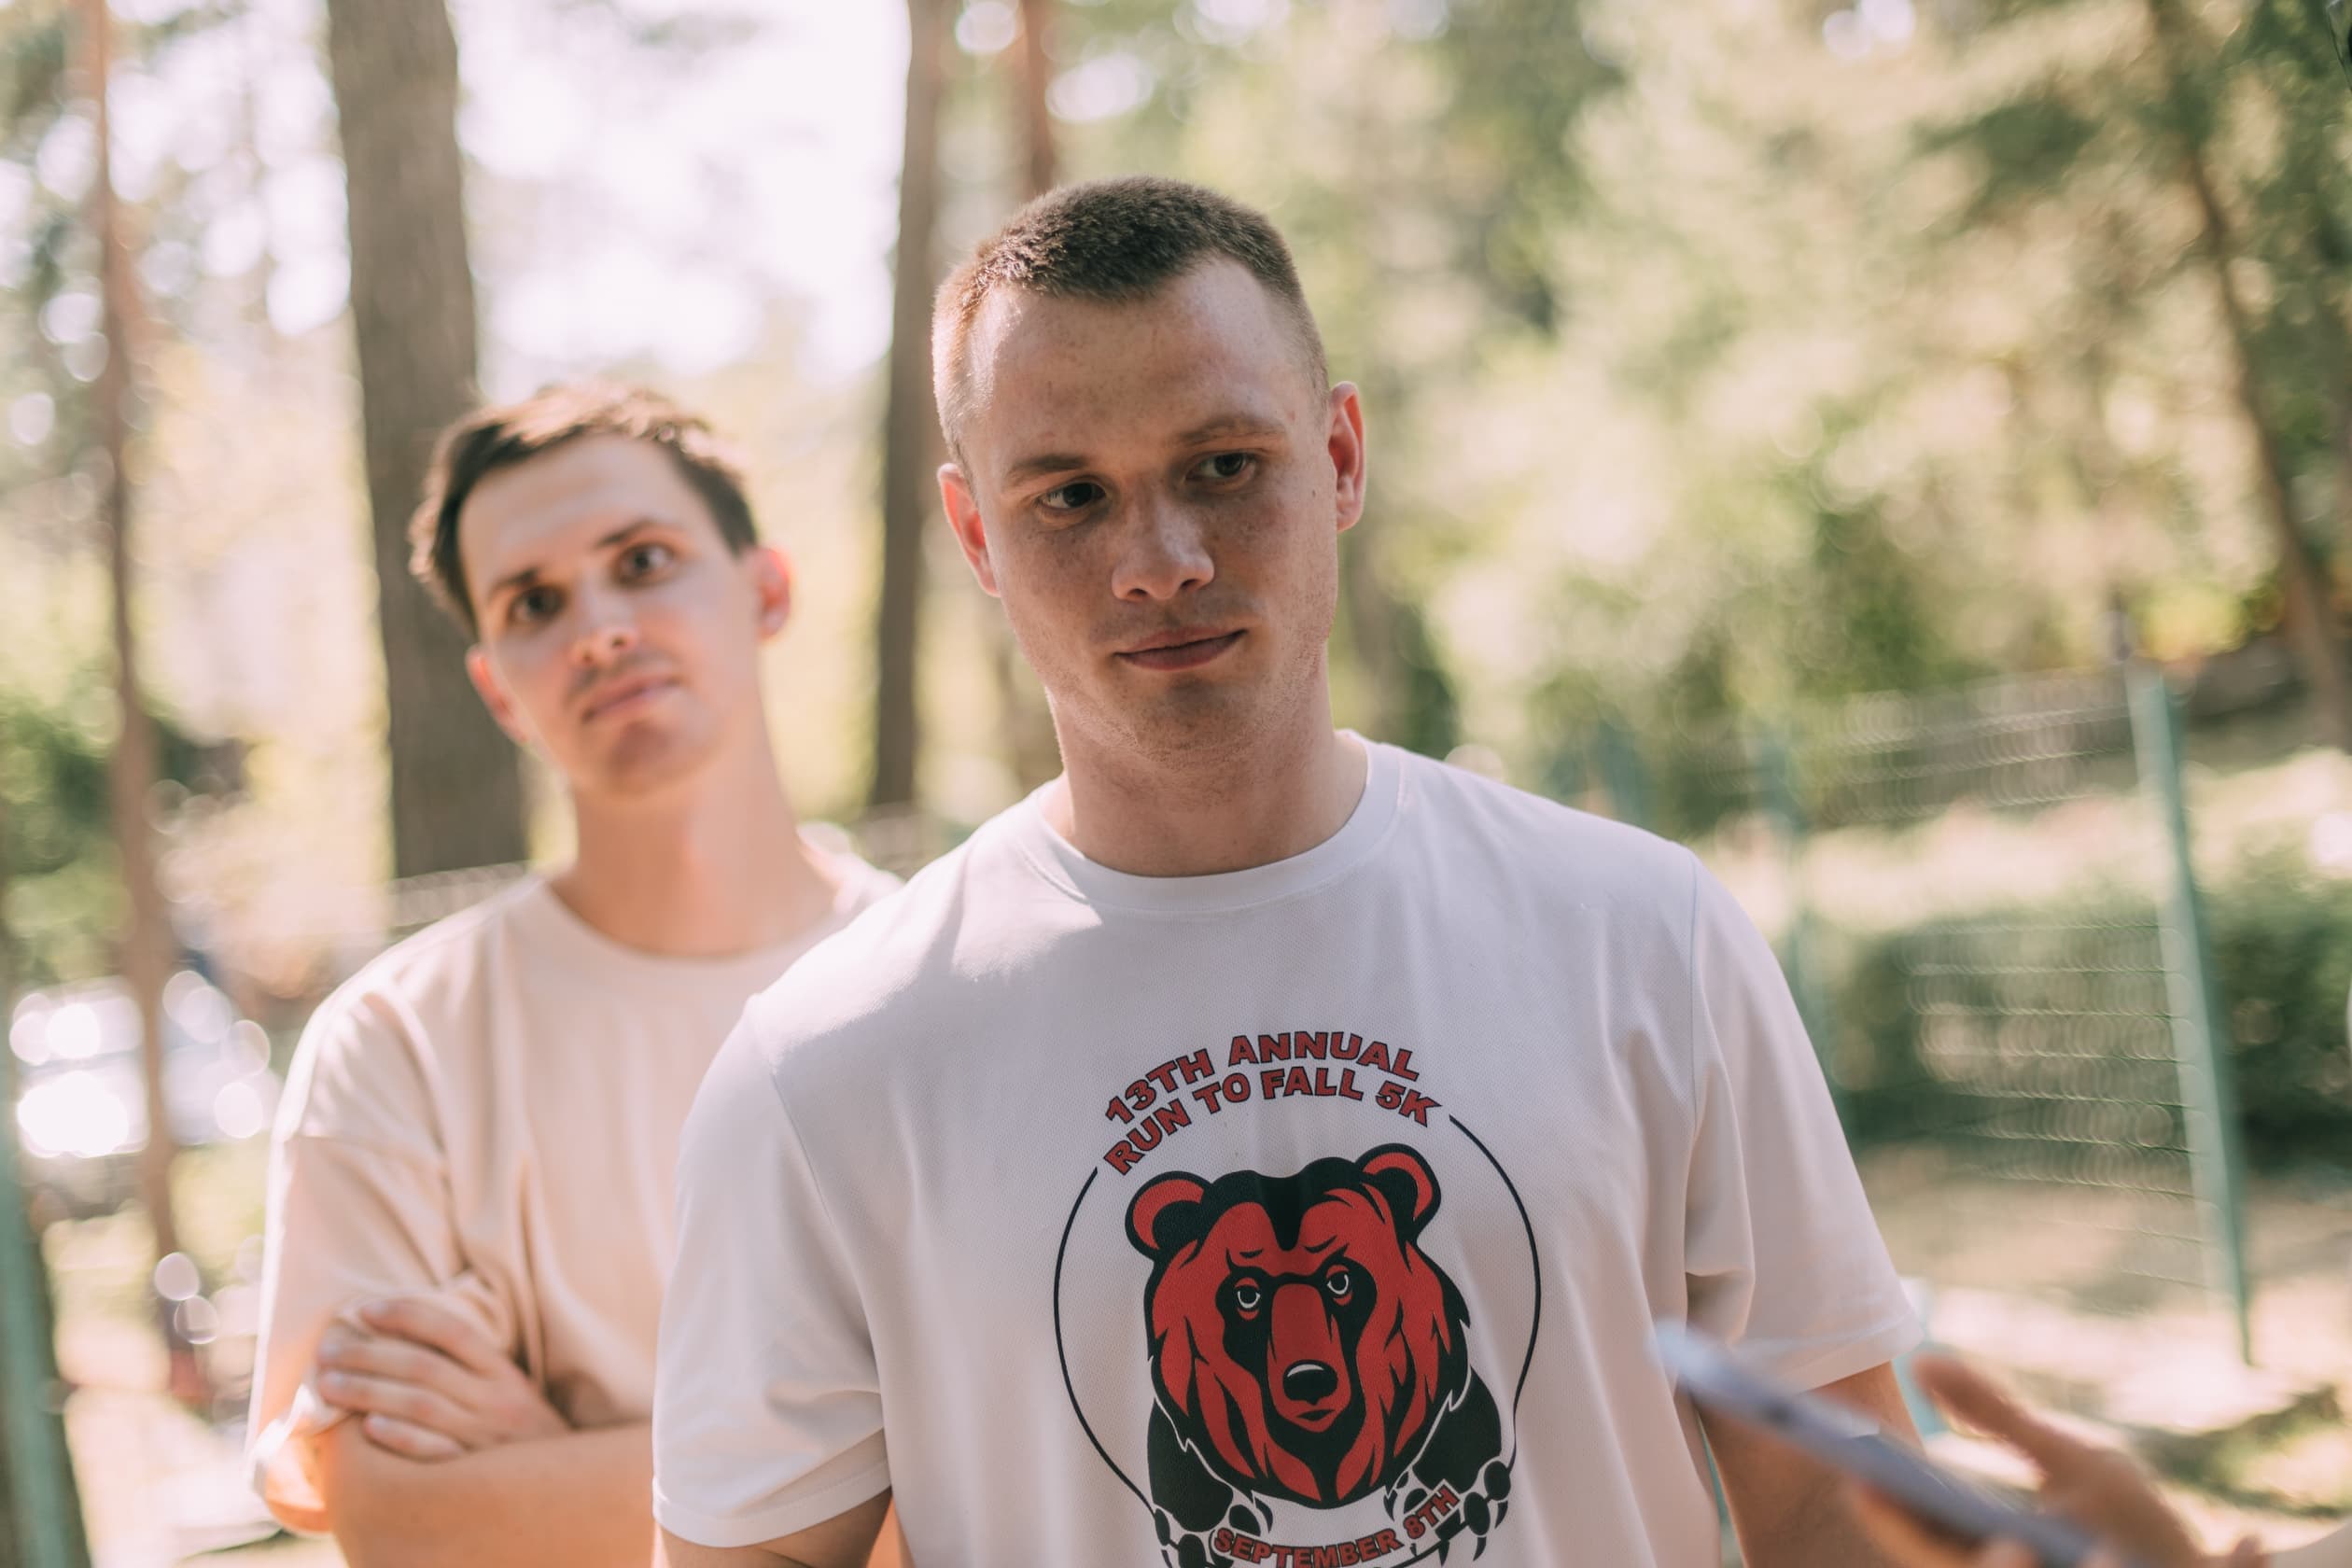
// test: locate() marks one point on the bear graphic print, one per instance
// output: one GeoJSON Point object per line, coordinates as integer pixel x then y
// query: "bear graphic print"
{"type": "Point", "coordinates": [1311, 1387]}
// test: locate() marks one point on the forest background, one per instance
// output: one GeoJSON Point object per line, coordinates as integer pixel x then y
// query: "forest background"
{"type": "Point", "coordinates": [1726, 364]}
{"type": "Point", "coordinates": [1719, 358]}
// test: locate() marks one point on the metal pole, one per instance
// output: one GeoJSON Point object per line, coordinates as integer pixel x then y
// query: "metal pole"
{"type": "Point", "coordinates": [1800, 954]}
{"type": "Point", "coordinates": [42, 1503]}
{"type": "Point", "coordinates": [1623, 775]}
{"type": "Point", "coordinates": [2209, 1087]}
{"type": "Point", "coordinates": [40, 1508]}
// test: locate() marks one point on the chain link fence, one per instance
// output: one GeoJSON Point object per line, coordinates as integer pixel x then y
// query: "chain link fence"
{"type": "Point", "coordinates": [2036, 1088]}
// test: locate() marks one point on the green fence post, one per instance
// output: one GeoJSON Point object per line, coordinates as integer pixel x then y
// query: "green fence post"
{"type": "Point", "coordinates": [1623, 775]}
{"type": "Point", "coordinates": [37, 1494]}
{"type": "Point", "coordinates": [2208, 1088]}
{"type": "Point", "coordinates": [1800, 948]}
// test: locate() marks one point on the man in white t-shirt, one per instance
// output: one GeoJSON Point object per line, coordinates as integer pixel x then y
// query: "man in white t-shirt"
{"type": "Point", "coordinates": [1260, 1145]}
{"type": "Point", "coordinates": [471, 1190]}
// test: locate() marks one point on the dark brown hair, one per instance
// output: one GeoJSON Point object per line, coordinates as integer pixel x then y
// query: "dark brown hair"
{"type": "Point", "coordinates": [1111, 240]}
{"type": "Point", "coordinates": [505, 435]}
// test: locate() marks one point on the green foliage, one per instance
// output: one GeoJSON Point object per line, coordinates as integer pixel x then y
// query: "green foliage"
{"type": "Point", "coordinates": [2282, 938]}
{"type": "Point", "coordinates": [63, 894]}
{"type": "Point", "coordinates": [63, 899]}
{"type": "Point", "coordinates": [2019, 150]}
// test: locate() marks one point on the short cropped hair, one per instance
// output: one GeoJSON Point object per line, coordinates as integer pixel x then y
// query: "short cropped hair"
{"type": "Point", "coordinates": [1114, 241]}
{"type": "Point", "coordinates": [508, 435]}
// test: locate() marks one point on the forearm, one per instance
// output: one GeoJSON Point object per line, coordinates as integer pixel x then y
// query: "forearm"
{"type": "Point", "coordinates": [844, 1541]}
{"type": "Point", "coordinates": [677, 1553]}
{"type": "Point", "coordinates": [583, 1499]}
{"type": "Point", "coordinates": [1817, 1531]}
{"type": "Point", "coordinates": [1788, 1509]}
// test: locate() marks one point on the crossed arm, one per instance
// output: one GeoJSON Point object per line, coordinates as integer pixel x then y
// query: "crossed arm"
{"type": "Point", "coordinates": [575, 1499]}
{"type": "Point", "coordinates": [454, 1458]}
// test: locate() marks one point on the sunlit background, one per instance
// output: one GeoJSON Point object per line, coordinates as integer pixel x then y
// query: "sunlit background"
{"type": "Point", "coordinates": [1826, 434]}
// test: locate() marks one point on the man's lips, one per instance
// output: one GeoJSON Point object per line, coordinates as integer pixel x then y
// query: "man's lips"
{"type": "Point", "coordinates": [625, 696]}
{"type": "Point", "coordinates": [1179, 651]}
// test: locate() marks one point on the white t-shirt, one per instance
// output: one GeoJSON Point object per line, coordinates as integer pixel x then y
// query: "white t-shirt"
{"type": "Point", "coordinates": [1309, 1214]}
{"type": "Point", "coordinates": [489, 1113]}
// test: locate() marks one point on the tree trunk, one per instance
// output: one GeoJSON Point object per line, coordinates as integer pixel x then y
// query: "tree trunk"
{"type": "Point", "coordinates": [1029, 722]}
{"type": "Point", "coordinates": [1040, 167]}
{"type": "Point", "coordinates": [910, 425]}
{"type": "Point", "coordinates": [147, 950]}
{"type": "Point", "coordinates": [2310, 615]}
{"type": "Point", "coordinates": [456, 785]}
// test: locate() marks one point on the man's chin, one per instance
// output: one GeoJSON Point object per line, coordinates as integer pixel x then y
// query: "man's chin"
{"type": "Point", "coordinates": [643, 761]}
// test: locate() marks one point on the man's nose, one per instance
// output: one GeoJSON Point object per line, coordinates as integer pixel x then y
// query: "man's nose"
{"type": "Point", "coordinates": [1165, 553]}
{"type": "Point", "coordinates": [605, 632]}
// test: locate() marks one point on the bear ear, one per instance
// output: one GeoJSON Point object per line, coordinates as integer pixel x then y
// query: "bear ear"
{"type": "Point", "coordinates": [1162, 1214]}
{"type": "Point", "coordinates": [1405, 1179]}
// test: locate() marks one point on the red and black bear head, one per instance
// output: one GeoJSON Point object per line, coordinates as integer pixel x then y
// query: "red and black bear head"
{"type": "Point", "coordinates": [1302, 1343]}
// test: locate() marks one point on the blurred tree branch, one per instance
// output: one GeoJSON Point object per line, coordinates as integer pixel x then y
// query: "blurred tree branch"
{"type": "Point", "coordinates": [2311, 624]}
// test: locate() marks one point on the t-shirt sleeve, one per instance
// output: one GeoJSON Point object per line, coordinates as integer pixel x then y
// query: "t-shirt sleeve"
{"type": "Point", "coordinates": [767, 1409]}
{"type": "Point", "coordinates": [359, 1208]}
{"type": "Point", "coordinates": [1782, 1255]}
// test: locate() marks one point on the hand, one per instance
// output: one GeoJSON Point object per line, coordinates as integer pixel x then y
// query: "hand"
{"type": "Point", "coordinates": [427, 1383]}
{"type": "Point", "coordinates": [2096, 1488]}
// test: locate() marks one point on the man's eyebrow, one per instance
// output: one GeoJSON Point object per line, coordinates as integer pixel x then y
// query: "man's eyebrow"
{"type": "Point", "coordinates": [529, 575]}
{"type": "Point", "coordinates": [1227, 425]}
{"type": "Point", "coordinates": [1042, 464]}
{"type": "Point", "coordinates": [1221, 427]}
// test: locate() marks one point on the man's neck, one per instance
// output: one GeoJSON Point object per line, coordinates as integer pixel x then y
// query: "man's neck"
{"type": "Point", "coordinates": [712, 870]}
{"type": "Point", "coordinates": [1153, 820]}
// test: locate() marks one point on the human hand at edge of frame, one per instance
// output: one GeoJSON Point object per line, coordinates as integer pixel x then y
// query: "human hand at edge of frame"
{"type": "Point", "coordinates": [2097, 1488]}
{"type": "Point", "coordinates": [427, 1383]}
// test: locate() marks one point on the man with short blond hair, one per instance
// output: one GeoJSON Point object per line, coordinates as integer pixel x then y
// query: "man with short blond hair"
{"type": "Point", "coordinates": [1260, 1145]}
{"type": "Point", "coordinates": [470, 1210]}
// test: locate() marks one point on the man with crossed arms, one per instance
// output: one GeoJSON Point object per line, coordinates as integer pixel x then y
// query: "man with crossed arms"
{"type": "Point", "coordinates": [469, 1190]}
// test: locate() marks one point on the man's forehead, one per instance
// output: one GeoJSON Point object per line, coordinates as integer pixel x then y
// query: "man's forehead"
{"type": "Point", "coordinates": [567, 499]}
{"type": "Point", "coordinates": [1211, 343]}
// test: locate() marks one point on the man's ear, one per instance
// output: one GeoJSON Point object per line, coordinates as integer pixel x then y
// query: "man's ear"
{"type": "Point", "coordinates": [1348, 455]}
{"type": "Point", "coordinates": [772, 578]}
{"type": "Point", "coordinates": [494, 695]}
{"type": "Point", "coordinates": [963, 516]}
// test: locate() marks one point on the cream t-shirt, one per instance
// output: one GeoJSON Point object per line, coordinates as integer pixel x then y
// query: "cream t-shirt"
{"type": "Point", "coordinates": [1311, 1214]}
{"type": "Point", "coordinates": [490, 1112]}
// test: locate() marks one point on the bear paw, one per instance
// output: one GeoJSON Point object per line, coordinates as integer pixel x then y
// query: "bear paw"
{"type": "Point", "coordinates": [1186, 1549]}
{"type": "Point", "coordinates": [1478, 1515]}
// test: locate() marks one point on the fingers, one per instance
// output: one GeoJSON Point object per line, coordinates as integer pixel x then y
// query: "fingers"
{"type": "Point", "coordinates": [408, 1440]}
{"type": "Point", "coordinates": [423, 1321]}
{"type": "Point", "coordinates": [400, 1360]}
{"type": "Point", "coordinates": [406, 1402]}
{"type": "Point", "coordinates": [1979, 1402]}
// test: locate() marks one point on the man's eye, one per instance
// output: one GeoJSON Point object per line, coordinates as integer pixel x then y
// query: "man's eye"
{"type": "Point", "coordinates": [532, 605]}
{"type": "Point", "coordinates": [640, 560]}
{"type": "Point", "coordinates": [1075, 496]}
{"type": "Point", "coordinates": [1228, 466]}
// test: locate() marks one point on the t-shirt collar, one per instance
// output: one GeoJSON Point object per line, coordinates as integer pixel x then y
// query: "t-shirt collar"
{"type": "Point", "coordinates": [551, 921]}
{"type": "Point", "coordinates": [1367, 827]}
